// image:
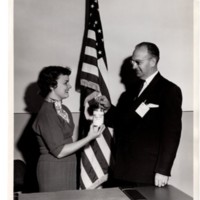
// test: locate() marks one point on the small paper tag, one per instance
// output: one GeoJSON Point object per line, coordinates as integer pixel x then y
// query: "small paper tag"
{"type": "Point", "coordinates": [142, 109]}
{"type": "Point", "coordinates": [152, 105]}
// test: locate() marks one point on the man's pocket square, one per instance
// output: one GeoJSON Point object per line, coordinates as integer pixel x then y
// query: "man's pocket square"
{"type": "Point", "coordinates": [152, 105]}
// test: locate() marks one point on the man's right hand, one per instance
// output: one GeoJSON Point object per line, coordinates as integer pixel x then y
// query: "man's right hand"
{"type": "Point", "coordinates": [103, 102]}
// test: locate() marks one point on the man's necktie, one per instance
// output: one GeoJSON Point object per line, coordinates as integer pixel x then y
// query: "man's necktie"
{"type": "Point", "coordinates": [141, 84]}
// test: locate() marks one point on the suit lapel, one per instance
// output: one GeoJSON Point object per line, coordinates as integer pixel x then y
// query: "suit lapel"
{"type": "Point", "coordinates": [147, 92]}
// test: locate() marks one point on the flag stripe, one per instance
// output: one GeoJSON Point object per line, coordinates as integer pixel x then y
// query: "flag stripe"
{"type": "Point", "coordinates": [82, 185]}
{"type": "Point", "coordinates": [104, 148]}
{"type": "Point", "coordinates": [91, 43]}
{"type": "Point", "coordinates": [100, 157]}
{"type": "Point", "coordinates": [90, 69]}
{"type": "Point", "coordinates": [90, 60]}
{"type": "Point", "coordinates": [86, 182]}
{"type": "Point", "coordinates": [90, 81]}
{"type": "Point", "coordinates": [94, 162]}
{"type": "Point", "coordinates": [108, 137]}
{"type": "Point", "coordinates": [88, 167]}
{"type": "Point", "coordinates": [91, 35]}
{"type": "Point", "coordinates": [90, 84]}
{"type": "Point", "coordinates": [91, 51]}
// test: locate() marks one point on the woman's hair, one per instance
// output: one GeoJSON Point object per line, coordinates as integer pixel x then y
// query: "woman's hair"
{"type": "Point", "coordinates": [48, 78]}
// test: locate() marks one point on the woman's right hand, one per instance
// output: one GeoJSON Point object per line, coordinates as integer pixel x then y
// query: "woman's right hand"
{"type": "Point", "coordinates": [95, 131]}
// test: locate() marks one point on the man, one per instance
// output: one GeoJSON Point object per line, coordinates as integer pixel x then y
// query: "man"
{"type": "Point", "coordinates": [147, 123]}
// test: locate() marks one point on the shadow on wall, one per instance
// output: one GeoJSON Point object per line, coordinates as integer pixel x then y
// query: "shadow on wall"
{"type": "Point", "coordinates": [27, 144]}
{"type": "Point", "coordinates": [127, 74]}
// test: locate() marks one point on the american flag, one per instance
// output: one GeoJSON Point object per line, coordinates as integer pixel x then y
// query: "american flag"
{"type": "Point", "coordinates": [96, 157]}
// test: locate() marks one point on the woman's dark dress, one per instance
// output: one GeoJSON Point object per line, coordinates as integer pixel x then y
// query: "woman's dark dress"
{"type": "Point", "coordinates": [53, 133]}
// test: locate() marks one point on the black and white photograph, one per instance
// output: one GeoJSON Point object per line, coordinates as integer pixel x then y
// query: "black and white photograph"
{"type": "Point", "coordinates": [104, 102]}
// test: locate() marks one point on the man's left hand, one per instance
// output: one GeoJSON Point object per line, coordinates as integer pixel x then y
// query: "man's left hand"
{"type": "Point", "coordinates": [161, 180]}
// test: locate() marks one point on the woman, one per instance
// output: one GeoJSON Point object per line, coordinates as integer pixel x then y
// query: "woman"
{"type": "Point", "coordinates": [56, 169]}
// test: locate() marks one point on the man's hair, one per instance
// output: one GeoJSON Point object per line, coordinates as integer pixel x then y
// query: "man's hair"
{"type": "Point", "coordinates": [48, 78]}
{"type": "Point", "coordinates": [152, 49]}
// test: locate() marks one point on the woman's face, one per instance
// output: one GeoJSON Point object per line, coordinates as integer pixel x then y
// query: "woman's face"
{"type": "Point", "coordinates": [62, 90]}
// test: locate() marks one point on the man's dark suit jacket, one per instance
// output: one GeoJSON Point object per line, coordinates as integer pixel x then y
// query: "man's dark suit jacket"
{"type": "Point", "coordinates": [147, 145]}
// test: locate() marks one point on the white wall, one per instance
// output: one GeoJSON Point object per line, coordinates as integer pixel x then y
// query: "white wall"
{"type": "Point", "coordinates": [49, 32]}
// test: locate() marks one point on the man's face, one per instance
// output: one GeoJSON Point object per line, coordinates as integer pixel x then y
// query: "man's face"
{"type": "Point", "coordinates": [141, 62]}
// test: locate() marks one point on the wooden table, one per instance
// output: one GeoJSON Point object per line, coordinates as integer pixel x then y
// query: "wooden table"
{"type": "Point", "coordinates": [98, 194]}
{"type": "Point", "coordinates": [150, 193]}
{"type": "Point", "coordinates": [167, 193]}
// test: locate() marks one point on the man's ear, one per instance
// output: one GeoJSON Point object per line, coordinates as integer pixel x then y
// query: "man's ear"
{"type": "Point", "coordinates": [153, 62]}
